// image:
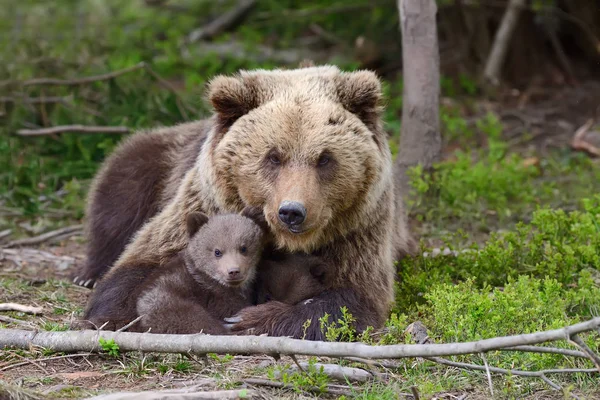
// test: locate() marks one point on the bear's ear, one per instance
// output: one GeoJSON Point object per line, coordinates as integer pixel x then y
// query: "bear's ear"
{"type": "Point", "coordinates": [360, 93]}
{"type": "Point", "coordinates": [231, 98]}
{"type": "Point", "coordinates": [256, 214]}
{"type": "Point", "coordinates": [194, 222]}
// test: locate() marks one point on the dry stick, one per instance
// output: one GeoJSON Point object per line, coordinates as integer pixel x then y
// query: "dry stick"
{"type": "Point", "coordinates": [83, 81]}
{"type": "Point", "coordinates": [223, 23]}
{"type": "Point", "coordinates": [502, 40]}
{"type": "Point", "coordinates": [193, 393]}
{"type": "Point", "coordinates": [489, 376]}
{"type": "Point", "coordinates": [20, 308]}
{"type": "Point", "coordinates": [129, 325]}
{"type": "Point", "coordinates": [15, 321]}
{"type": "Point", "coordinates": [281, 385]}
{"type": "Point", "coordinates": [552, 350]}
{"type": "Point", "coordinates": [337, 372]}
{"type": "Point", "coordinates": [5, 233]}
{"type": "Point", "coordinates": [73, 128]}
{"type": "Point", "coordinates": [201, 344]}
{"type": "Point", "coordinates": [577, 341]}
{"type": "Point", "coordinates": [45, 236]}
{"type": "Point", "coordinates": [537, 374]}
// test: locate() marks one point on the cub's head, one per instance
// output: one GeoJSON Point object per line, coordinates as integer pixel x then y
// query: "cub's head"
{"type": "Point", "coordinates": [292, 278]}
{"type": "Point", "coordinates": [305, 145]}
{"type": "Point", "coordinates": [226, 247]}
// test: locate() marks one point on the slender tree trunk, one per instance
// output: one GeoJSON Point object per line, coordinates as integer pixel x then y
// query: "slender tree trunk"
{"type": "Point", "coordinates": [420, 140]}
{"type": "Point", "coordinates": [493, 66]}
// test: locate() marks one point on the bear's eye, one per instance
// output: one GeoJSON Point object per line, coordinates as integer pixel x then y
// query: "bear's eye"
{"type": "Point", "coordinates": [274, 159]}
{"type": "Point", "coordinates": [218, 253]}
{"type": "Point", "coordinates": [324, 160]}
{"type": "Point", "coordinates": [243, 250]}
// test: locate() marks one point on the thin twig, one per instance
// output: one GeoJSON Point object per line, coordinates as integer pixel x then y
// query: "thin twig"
{"type": "Point", "coordinates": [20, 308]}
{"type": "Point", "coordinates": [32, 362]}
{"type": "Point", "coordinates": [73, 128]}
{"type": "Point", "coordinates": [129, 325]}
{"type": "Point", "coordinates": [45, 236]}
{"type": "Point", "coordinates": [489, 375]}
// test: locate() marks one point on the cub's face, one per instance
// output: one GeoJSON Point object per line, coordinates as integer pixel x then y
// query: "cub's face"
{"type": "Point", "coordinates": [225, 247]}
{"type": "Point", "coordinates": [305, 158]}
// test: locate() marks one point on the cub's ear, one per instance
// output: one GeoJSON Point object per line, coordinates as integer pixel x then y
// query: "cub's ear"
{"type": "Point", "coordinates": [231, 98]}
{"type": "Point", "coordinates": [256, 214]}
{"type": "Point", "coordinates": [360, 93]}
{"type": "Point", "coordinates": [194, 222]}
{"type": "Point", "coordinates": [319, 271]}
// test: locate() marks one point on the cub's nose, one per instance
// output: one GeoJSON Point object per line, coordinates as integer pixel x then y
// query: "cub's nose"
{"type": "Point", "coordinates": [292, 213]}
{"type": "Point", "coordinates": [233, 274]}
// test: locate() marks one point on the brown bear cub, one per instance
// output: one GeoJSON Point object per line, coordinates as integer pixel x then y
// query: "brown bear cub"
{"type": "Point", "coordinates": [214, 277]}
{"type": "Point", "coordinates": [210, 280]}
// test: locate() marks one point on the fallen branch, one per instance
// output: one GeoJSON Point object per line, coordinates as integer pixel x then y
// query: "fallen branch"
{"type": "Point", "coordinates": [336, 372]}
{"type": "Point", "coordinates": [23, 256]}
{"type": "Point", "coordinates": [21, 308]}
{"type": "Point", "coordinates": [537, 374]}
{"type": "Point", "coordinates": [87, 340]}
{"type": "Point", "coordinates": [71, 230]}
{"type": "Point", "coordinates": [281, 385]}
{"type": "Point", "coordinates": [191, 393]}
{"type": "Point", "coordinates": [223, 23]}
{"type": "Point", "coordinates": [72, 128]}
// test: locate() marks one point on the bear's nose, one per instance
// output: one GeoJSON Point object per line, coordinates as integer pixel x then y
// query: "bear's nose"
{"type": "Point", "coordinates": [292, 212]}
{"type": "Point", "coordinates": [233, 273]}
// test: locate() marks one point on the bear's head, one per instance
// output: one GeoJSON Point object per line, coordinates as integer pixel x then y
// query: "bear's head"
{"type": "Point", "coordinates": [305, 145]}
{"type": "Point", "coordinates": [225, 247]}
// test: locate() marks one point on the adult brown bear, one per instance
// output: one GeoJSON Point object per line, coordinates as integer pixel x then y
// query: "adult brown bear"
{"type": "Point", "coordinates": [305, 145]}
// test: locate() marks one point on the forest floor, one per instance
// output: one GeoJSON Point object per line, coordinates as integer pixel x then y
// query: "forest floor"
{"type": "Point", "coordinates": [41, 276]}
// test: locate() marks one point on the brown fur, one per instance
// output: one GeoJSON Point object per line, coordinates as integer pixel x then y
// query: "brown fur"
{"type": "Point", "coordinates": [295, 118]}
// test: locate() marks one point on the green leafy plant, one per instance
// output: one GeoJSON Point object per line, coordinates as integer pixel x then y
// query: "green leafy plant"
{"type": "Point", "coordinates": [109, 346]}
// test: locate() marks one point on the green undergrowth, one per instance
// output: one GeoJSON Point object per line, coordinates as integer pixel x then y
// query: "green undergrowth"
{"type": "Point", "coordinates": [488, 188]}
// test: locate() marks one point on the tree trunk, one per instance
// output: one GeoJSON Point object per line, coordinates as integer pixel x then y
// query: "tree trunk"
{"type": "Point", "coordinates": [502, 39]}
{"type": "Point", "coordinates": [420, 140]}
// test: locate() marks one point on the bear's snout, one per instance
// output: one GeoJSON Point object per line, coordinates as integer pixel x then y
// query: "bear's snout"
{"type": "Point", "coordinates": [292, 213]}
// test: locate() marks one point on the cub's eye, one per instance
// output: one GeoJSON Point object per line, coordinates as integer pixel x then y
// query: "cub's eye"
{"type": "Point", "coordinates": [274, 159]}
{"type": "Point", "coordinates": [218, 253]}
{"type": "Point", "coordinates": [243, 250]}
{"type": "Point", "coordinates": [324, 160]}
